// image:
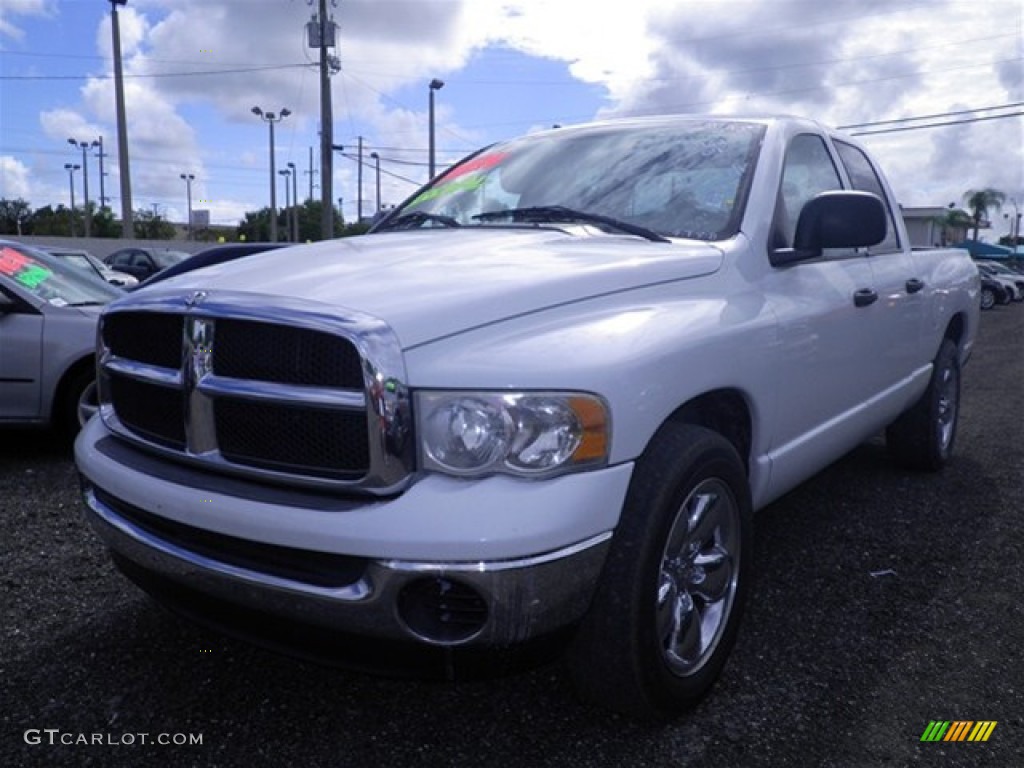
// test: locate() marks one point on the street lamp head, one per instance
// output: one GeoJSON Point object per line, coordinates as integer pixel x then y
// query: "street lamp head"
{"type": "Point", "coordinates": [375, 156]}
{"type": "Point", "coordinates": [285, 172]}
{"type": "Point", "coordinates": [257, 111]}
{"type": "Point", "coordinates": [436, 85]}
{"type": "Point", "coordinates": [285, 112]}
{"type": "Point", "coordinates": [292, 166]}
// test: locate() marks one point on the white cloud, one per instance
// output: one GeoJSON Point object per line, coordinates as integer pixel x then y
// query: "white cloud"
{"type": "Point", "coordinates": [15, 179]}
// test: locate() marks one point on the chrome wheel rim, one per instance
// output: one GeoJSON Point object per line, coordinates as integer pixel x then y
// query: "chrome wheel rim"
{"type": "Point", "coordinates": [698, 577]}
{"type": "Point", "coordinates": [948, 387]}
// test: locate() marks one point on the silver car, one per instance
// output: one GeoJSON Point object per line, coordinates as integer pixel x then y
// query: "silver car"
{"type": "Point", "coordinates": [48, 316]}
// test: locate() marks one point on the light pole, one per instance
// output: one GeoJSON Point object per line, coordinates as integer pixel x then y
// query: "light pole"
{"type": "Point", "coordinates": [270, 118]}
{"type": "Point", "coordinates": [295, 202]}
{"type": "Point", "coordinates": [127, 220]}
{"type": "Point", "coordinates": [71, 186]}
{"type": "Point", "coordinates": [435, 85]}
{"type": "Point", "coordinates": [101, 154]}
{"type": "Point", "coordinates": [188, 178]}
{"type": "Point", "coordinates": [287, 200]}
{"type": "Point", "coordinates": [376, 159]}
{"type": "Point", "coordinates": [84, 146]}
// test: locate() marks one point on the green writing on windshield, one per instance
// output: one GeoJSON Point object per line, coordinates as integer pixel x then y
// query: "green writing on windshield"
{"type": "Point", "coordinates": [32, 276]}
{"type": "Point", "coordinates": [471, 183]}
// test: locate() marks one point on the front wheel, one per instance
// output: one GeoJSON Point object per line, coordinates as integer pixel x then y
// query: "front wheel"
{"type": "Point", "coordinates": [666, 612]}
{"type": "Point", "coordinates": [922, 438]}
{"type": "Point", "coordinates": [988, 298]}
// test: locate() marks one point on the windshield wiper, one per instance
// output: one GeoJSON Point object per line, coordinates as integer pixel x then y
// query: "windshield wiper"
{"type": "Point", "coordinates": [555, 213]}
{"type": "Point", "coordinates": [415, 218]}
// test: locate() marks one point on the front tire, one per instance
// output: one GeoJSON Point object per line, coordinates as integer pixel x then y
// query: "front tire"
{"type": "Point", "coordinates": [988, 298]}
{"type": "Point", "coordinates": [922, 438]}
{"type": "Point", "coordinates": [667, 610]}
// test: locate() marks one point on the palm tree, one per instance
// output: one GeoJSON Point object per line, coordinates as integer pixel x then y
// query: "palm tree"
{"type": "Point", "coordinates": [979, 201]}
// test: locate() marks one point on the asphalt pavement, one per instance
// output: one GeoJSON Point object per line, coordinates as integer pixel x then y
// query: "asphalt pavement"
{"type": "Point", "coordinates": [884, 600]}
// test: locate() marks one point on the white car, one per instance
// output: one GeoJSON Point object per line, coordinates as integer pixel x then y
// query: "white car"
{"type": "Point", "coordinates": [48, 315]}
{"type": "Point", "coordinates": [1014, 281]}
{"type": "Point", "coordinates": [90, 265]}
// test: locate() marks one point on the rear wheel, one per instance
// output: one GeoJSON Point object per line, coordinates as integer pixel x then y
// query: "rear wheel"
{"type": "Point", "coordinates": [922, 438]}
{"type": "Point", "coordinates": [667, 610]}
{"type": "Point", "coordinates": [988, 298]}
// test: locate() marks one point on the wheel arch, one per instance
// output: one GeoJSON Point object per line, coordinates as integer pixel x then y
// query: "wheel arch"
{"type": "Point", "coordinates": [70, 375]}
{"type": "Point", "coordinates": [726, 412]}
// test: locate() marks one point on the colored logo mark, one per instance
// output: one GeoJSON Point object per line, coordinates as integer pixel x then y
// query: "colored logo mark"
{"type": "Point", "coordinates": [958, 730]}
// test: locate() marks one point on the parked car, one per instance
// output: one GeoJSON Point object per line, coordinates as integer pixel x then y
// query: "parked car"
{"type": "Point", "coordinates": [48, 315]}
{"type": "Point", "coordinates": [996, 269]}
{"type": "Point", "coordinates": [217, 254]}
{"type": "Point", "coordinates": [1013, 286]}
{"type": "Point", "coordinates": [992, 291]}
{"type": "Point", "coordinates": [144, 262]}
{"type": "Point", "coordinates": [90, 265]}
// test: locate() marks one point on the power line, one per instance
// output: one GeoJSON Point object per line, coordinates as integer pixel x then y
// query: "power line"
{"type": "Point", "coordinates": [937, 125]}
{"type": "Point", "coordinates": [930, 117]}
{"type": "Point", "coordinates": [156, 75]}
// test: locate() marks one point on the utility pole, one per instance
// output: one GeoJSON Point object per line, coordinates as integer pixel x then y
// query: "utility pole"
{"type": "Point", "coordinates": [321, 32]}
{"type": "Point", "coordinates": [295, 202]}
{"type": "Point", "coordinates": [311, 173]}
{"type": "Point", "coordinates": [84, 146]}
{"type": "Point", "coordinates": [359, 183]}
{"type": "Point", "coordinates": [127, 222]}
{"type": "Point", "coordinates": [188, 178]}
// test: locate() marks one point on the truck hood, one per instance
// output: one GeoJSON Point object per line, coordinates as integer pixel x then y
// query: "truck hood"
{"type": "Point", "coordinates": [429, 284]}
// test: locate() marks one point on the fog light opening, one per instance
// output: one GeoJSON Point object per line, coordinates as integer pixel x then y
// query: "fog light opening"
{"type": "Point", "coordinates": [442, 611]}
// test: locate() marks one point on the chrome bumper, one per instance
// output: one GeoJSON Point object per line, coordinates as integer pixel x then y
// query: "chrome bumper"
{"type": "Point", "coordinates": [512, 600]}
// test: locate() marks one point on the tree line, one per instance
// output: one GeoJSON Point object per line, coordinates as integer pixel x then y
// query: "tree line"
{"type": "Point", "coordinates": [18, 218]}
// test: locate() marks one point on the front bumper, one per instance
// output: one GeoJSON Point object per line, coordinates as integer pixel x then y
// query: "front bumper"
{"type": "Point", "coordinates": [243, 545]}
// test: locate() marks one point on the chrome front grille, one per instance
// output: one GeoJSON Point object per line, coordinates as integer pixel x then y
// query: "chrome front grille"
{"type": "Point", "coordinates": [285, 394]}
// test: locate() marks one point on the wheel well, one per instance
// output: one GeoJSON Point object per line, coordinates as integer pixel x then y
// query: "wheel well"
{"type": "Point", "coordinates": [955, 329]}
{"type": "Point", "coordinates": [724, 411]}
{"type": "Point", "coordinates": [70, 375]}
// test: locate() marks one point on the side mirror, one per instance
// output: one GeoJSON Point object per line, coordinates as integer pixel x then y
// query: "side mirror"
{"type": "Point", "coordinates": [838, 219]}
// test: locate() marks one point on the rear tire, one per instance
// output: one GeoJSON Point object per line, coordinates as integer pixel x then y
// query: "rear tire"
{"type": "Point", "coordinates": [667, 609]}
{"type": "Point", "coordinates": [988, 298]}
{"type": "Point", "coordinates": [922, 438]}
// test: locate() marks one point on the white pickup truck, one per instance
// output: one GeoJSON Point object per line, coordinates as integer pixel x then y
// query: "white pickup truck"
{"type": "Point", "coordinates": [539, 402]}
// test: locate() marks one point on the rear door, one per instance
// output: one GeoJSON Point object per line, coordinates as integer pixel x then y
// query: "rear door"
{"type": "Point", "coordinates": [899, 315]}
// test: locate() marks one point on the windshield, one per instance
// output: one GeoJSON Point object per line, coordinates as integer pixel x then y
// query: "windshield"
{"type": "Point", "coordinates": [685, 178]}
{"type": "Point", "coordinates": [81, 260]}
{"type": "Point", "coordinates": [46, 278]}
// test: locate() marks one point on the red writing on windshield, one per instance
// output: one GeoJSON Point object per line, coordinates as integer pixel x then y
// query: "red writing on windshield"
{"type": "Point", "coordinates": [12, 262]}
{"type": "Point", "coordinates": [481, 163]}
{"type": "Point", "coordinates": [22, 268]}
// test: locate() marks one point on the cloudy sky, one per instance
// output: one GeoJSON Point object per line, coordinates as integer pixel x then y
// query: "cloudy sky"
{"type": "Point", "coordinates": [195, 68]}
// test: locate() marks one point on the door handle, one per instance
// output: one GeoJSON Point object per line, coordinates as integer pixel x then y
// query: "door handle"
{"type": "Point", "coordinates": [914, 285]}
{"type": "Point", "coordinates": [864, 297]}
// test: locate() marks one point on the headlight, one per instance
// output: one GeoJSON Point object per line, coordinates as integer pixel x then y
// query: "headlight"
{"type": "Point", "coordinates": [530, 434]}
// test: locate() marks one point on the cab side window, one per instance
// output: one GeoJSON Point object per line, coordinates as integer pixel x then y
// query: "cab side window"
{"type": "Point", "coordinates": [807, 171]}
{"type": "Point", "coordinates": [864, 178]}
